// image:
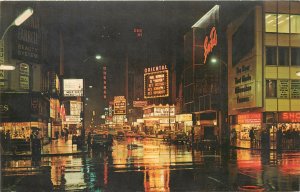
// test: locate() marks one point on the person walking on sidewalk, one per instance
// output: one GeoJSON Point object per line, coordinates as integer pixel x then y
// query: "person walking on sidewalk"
{"type": "Point", "coordinates": [89, 141]}
{"type": "Point", "coordinates": [252, 136]}
{"type": "Point", "coordinates": [66, 135]}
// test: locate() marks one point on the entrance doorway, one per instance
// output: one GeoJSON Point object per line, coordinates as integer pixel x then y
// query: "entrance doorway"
{"type": "Point", "coordinates": [209, 133]}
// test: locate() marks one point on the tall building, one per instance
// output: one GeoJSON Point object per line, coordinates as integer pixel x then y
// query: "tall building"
{"type": "Point", "coordinates": [263, 61]}
{"type": "Point", "coordinates": [204, 92]}
{"type": "Point", "coordinates": [25, 90]}
{"type": "Point", "coordinates": [205, 71]}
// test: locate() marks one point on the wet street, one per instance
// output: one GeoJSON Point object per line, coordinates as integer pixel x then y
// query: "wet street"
{"type": "Point", "coordinates": [152, 165]}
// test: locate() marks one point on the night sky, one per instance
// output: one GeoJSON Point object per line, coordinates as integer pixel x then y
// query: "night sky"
{"type": "Point", "coordinates": [106, 28]}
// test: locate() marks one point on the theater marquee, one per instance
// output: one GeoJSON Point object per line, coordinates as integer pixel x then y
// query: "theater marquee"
{"type": "Point", "coordinates": [156, 82]}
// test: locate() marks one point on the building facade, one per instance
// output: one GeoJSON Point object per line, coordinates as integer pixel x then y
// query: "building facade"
{"type": "Point", "coordinates": [24, 95]}
{"type": "Point", "coordinates": [263, 61]}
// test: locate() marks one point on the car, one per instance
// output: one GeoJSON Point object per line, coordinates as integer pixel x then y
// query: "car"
{"type": "Point", "coordinates": [120, 135]}
{"type": "Point", "coordinates": [167, 136]}
{"type": "Point", "coordinates": [100, 141]}
{"type": "Point", "coordinates": [179, 137]}
{"type": "Point", "coordinates": [140, 135]}
{"type": "Point", "coordinates": [130, 134]}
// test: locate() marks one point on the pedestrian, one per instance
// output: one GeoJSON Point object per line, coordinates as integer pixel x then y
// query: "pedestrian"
{"type": "Point", "coordinates": [279, 136]}
{"type": "Point", "coordinates": [252, 136]}
{"type": "Point", "coordinates": [66, 134]}
{"type": "Point", "coordinates": [89, 140]}
{"type": "Point", "coordinates": [233, 137]}
{"type": "Point", "coordinates": [7, 140]}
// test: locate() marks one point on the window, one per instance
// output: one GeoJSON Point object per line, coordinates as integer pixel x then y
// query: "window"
{"type": "Point", "coordinates": [295, 56]}
{"type": "Point", "coordinates": [295, 23]}
{"type": "Point", "coordinates": [283, 56]}
{"type": "Point", "coordinates": [283, 23]}
{"type": "Point", "coordinates": [271, 56]}
{"type": "Point", "coordinates": [271, 21]}
{"type": "Point", "coordinates": [271, 88]}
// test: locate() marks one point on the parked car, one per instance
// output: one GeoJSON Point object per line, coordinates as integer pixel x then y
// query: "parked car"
{"type": "Point", "coordinates": [140, 135]}
{"type": "Point", "coordinates": [100, 141]}
{"type": "Point", "coordinates": [179, 137]}
{"type": "Point", "coordinates": [130, 134]}
{"type": "Point", "coordinates": [167, 136]}
{"type": "Point", "coordinates": [120, 135]}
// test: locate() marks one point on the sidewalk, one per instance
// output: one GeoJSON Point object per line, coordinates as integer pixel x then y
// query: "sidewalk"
{"type": "Point", "coordinates": [55, 148]}
{"type": "Point", "coordinates": [245, 144]}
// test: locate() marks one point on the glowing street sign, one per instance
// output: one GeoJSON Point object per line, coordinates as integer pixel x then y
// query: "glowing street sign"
{"type": "Point", "coordinates": [119, 105]}
{"type": "Point", "coordinates": [156, 82]}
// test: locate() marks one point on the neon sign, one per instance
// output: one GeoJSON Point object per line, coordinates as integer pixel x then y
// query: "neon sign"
{"type": "Point", "coordinates": [208, 46]}
{"type": "Point", "coordinates": [249, 118]}
{"type": "Point", "coordinates": [289, 117]}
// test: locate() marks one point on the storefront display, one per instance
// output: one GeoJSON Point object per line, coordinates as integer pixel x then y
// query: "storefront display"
{"type": "Point", "coordinates": [246, 122]}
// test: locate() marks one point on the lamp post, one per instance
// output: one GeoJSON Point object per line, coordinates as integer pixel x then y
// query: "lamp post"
{"type": "Point", "coordinates": [224, 134]}
{"type": "Point", "coordinates": [96, 58]}
{"type": "Point", "coordinates": [17, 22]}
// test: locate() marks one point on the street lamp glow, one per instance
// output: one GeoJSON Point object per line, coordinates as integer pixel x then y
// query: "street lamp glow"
{"type": "Point", "coordinates": [298, 73]}
{"type": "Point", "coordinates": [213, 60]}
{"type": "Point", "coordinates": [98, 57]}
{"type": "Point", "coordinates": [7, 67]}
{"type": "Point", "coordinates": [23, 17]}
{"type": "Point", "coordinates": [90, 86]}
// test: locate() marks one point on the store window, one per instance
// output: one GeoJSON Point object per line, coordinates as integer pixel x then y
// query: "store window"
{"type": "Point", "coordinates": [283, 56]}
{"type": "Point", "coordinates": [295, 23]}
{"type": "Point", "coordinates": [283, 23]}
{"type": "Point", "coordinates": [271, 21]}
{"type": "Point", "coordinates": [295, 56]}
{"type": "Point", "coordinates": [271, 88]}
{"type": "Point", "coordinates": [271, 55]}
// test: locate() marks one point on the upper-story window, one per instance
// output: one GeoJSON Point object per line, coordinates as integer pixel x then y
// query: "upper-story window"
{"type": "Point", "coordinates": [282, 23]}
{"type": "Point", "coordinates": [295, 23]}
{"type": "Point", "coordinates": [271, 21]}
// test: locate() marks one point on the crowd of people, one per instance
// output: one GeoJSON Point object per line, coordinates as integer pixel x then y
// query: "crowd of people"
{"type": "Point", "coordinates": [285, 139]}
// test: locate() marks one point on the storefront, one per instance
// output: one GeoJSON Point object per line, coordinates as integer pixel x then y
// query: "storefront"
{"type": "Point", "coordinates": [159, 117]}
{"type": "Point", "coordinates": [21, 113]}
{"type": "Point", "coordinates": [247, 121]}
{"type": "Point", "coordinates": [184, 122]}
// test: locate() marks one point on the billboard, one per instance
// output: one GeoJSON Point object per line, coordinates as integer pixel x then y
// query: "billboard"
{"type": "Point", "coordinates": [156, 82]}
{"type": "Point", "coordinates": [75, 108]}
{"type": "Point", "coordinates": [119, 105]}
{"type": "Point", "coordinates": [140, 104]}
{"type": "Point", "coordinates": [73, 87]}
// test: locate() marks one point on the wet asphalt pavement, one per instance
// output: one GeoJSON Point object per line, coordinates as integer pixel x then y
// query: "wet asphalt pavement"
{"type": "Point", "coordinates": [153, 165]}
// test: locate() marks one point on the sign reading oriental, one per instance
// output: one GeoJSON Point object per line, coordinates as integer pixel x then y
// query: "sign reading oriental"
{"type": "Point", "coordinates": [119, 105]}
{"type": "Point", "coordinates": [156, 82]}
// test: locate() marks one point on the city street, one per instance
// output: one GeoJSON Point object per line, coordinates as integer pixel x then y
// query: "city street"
{"type": "Point", "coordinates": [153, 165]}
{"type": "Point", "coordinates": [155, 96]}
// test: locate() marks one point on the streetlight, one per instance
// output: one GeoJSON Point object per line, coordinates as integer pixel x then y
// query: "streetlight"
{"type": "Point", "coordinates": [17, 22]}
{"type": "Point", "coordinates": [221, 115]}
{"type": "Point", "coordinates": [96, 57]}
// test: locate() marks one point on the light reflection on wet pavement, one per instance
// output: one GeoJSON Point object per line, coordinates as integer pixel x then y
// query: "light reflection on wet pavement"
{"type": "Point", "coordinates": [157, 166]}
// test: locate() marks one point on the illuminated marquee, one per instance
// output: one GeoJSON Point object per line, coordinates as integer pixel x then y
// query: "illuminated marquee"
{"type": "Point", "coordinates": [209, 45]}
{"type": "Point", "coordinates": [156, 82]}
{"type": "Point", "coordinates": [119, 105]}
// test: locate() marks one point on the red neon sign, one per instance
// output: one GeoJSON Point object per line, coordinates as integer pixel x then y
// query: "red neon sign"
{"type": "Point", "coordinates": [249, 118]}
{"type": "Point", "coordinates": [289, 117]}
{"type": "Point", "coordinates": [208, 46]}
